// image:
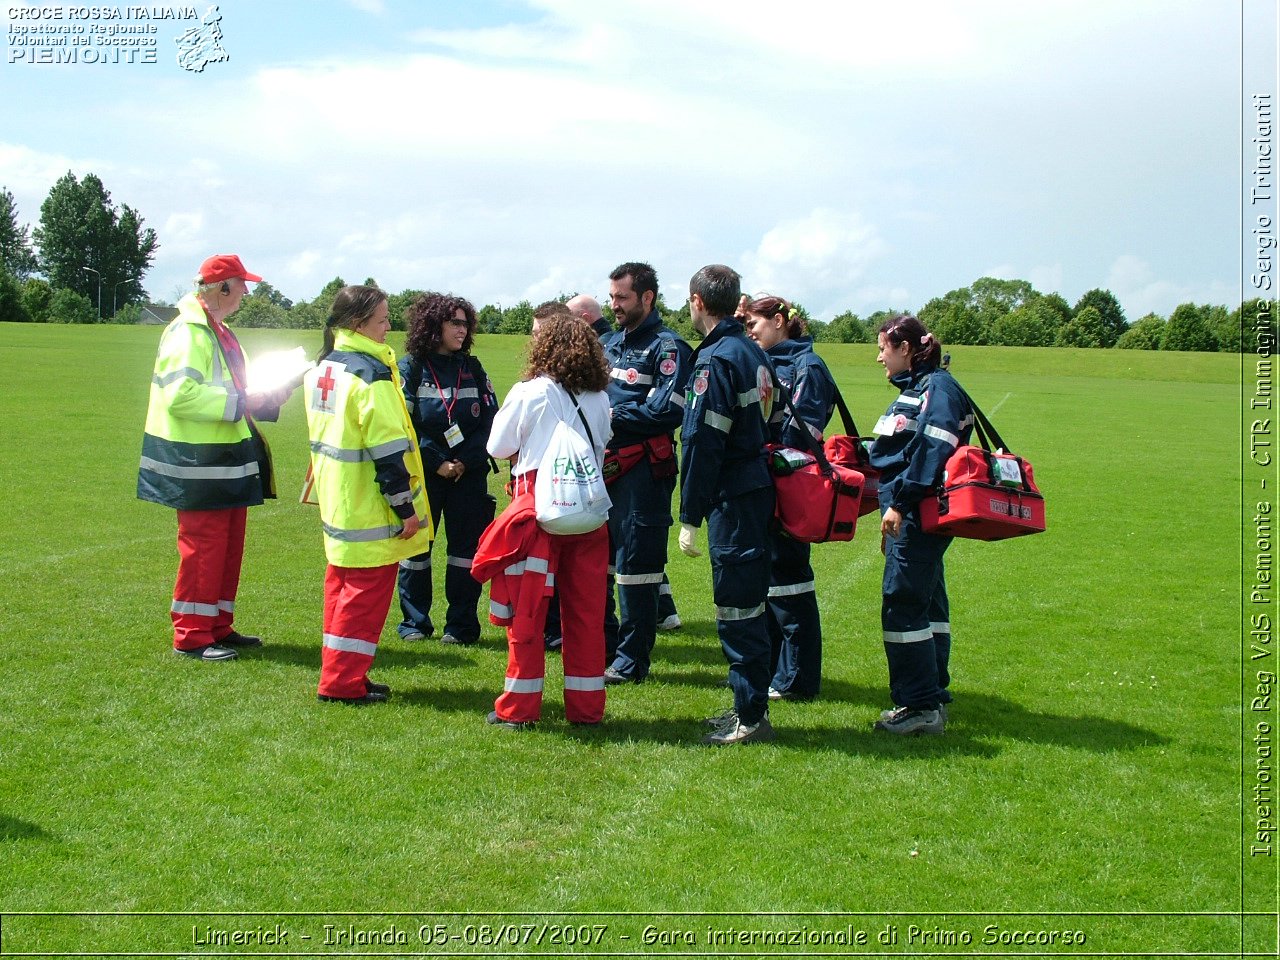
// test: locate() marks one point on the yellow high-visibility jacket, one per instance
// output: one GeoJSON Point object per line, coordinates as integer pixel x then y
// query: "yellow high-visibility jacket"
{"type": "Point", "coordinates": [364, 455]}
{"type": "Point", "coordinates": [198, 452]}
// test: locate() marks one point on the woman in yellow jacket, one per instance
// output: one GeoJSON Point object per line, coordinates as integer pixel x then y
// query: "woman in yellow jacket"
{"type": "Point", "coordinates": [367, 476]}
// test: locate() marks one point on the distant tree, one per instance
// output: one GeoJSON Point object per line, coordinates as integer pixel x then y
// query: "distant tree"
{"type": "Point", "coordinates": [15, 246]}
{"type": "Point", "coordinates": [1188, 329]}
{"type": "Point", "coordinates": [12, 309]}
{"type": "Point", "coordinates": [517, 319]}
{"type": "Point", "coordinates": [260, 312]}
{"type": "Point", "coordinates": [1085, 330]}
{"type": "Point", "coordinates": [265, 291]}
{"type": "Point", "coordinates": [81, 231]}
{"type": "Point", "coordinates": [130, 313]}
{"type": "Point", "coordinates": [1033, 324]}
{"type": "Point", "coordinates": [313, 315]}
{"type": "Point", "coordinates": [1248, 325]}
{"type": "Point", "coordinates": [488, 319]}
{"type": "Point", "coordinates": [37, 295]}
{"type": "Point", "coordinates": [953, 322]}
{"type": "Point", "coordinates": [846, 327]}
{"type": "Point", "coordinates": [67, 306]}
{"type": "Point", "coordinates": [1146, 334]}
{"type": "Point", "coordinates": [1108, 307]}
{"type": "Point", "coordinates": [398, 304]}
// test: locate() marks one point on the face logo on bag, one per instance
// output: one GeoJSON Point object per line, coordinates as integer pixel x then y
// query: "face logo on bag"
{"type": "Point", "coordinates": [632, 375]}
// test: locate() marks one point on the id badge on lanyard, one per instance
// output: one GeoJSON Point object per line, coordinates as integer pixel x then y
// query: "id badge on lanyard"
{"type": "Point", "coordinates": [453, 435]}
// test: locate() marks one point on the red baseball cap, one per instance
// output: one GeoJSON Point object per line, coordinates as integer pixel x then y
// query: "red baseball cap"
{"type": "Point", "coordinates": [225, 266]}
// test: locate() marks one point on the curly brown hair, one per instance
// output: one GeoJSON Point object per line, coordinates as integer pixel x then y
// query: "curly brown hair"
{"type": "Point", "coordinates": [426, 317]}
{"type": "Point", "coordinates": [569, 352]}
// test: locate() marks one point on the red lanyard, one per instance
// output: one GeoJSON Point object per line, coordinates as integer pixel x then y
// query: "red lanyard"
{"type": "Point", "coordinates": [448, 407]}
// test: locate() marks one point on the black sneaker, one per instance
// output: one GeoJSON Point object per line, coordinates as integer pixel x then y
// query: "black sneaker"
{"type": "Point", "coordinates": [736, 732]}
{"type": "Point", "coordinates": [905, 721]}
{"type": "Point", "coordinates": [497, 721]}
{"type": "Point", "coordinates": [721, 719]}
{"type": "Point", "coordinates": [379, 688]}
{"type": "Point", "coordinates": [553, 643]}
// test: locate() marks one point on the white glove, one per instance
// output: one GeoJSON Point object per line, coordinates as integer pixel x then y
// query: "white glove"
{"type": "Point", "coordinates": [689, 540]}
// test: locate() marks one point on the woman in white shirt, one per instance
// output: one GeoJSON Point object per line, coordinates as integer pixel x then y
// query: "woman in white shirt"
{"type": "Point", "coordinates": [523, 561]}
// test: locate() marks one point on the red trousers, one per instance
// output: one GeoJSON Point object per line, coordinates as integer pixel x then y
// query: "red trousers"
{"type": "Point", "coordinates": [578, 564]}
{"type": "Point", "coordinates": [356, 601]}
{"type": "Point", "coordinates": [210, 549]}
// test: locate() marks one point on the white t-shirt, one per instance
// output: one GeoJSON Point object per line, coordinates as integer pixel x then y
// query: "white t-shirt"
{"type": "Point", "coordinates": [529, 415]}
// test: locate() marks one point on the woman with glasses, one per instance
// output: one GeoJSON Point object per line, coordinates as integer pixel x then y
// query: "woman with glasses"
{"type": "Point", "coordinates": [452, 404]}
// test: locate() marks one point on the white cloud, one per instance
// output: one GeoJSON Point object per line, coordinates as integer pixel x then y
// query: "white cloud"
{"type": "Point", "coordinates": [823, 254]}
{"type": "Point", "coordinates": [1140, 291]}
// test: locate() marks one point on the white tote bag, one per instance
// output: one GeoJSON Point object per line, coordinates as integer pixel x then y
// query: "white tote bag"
{"type": "Point", "coordinates": [569, 494]}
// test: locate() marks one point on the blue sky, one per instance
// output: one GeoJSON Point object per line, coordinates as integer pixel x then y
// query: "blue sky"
{"type": "Point", "coordinates": [849, 156]}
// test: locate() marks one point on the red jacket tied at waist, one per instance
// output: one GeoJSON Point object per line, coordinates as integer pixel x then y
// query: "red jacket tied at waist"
{"type": "Point", "coordinates": [514, 556]}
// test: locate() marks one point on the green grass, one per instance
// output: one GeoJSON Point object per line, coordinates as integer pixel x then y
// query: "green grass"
{"type": "Point", "coordinates": [1090, 763]}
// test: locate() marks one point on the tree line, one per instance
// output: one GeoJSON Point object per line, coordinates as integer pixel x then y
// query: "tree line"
{"type": "Point", "coordinates": [92, 256]}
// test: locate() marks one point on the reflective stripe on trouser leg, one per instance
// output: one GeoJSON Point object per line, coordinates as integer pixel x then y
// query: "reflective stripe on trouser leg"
{"type": "Point", "coordinates": [210, 542]}
{"type": "Point", "coordinates": [795, 629]}
{"type": "Point", "coordinates": [521, 697]}
{"type": "Point", "coordinates": [940, 624]}
{"type": "Point", "coordinates": [912, 580]}
{"type": "Point", "coordinates": [580, 563]}
{"type": "Point", "coordinates": [356, 602]}
{"type": "Point", "coordinates": [737, 541]}
{"type": "Point", "coordinates": [666, 600]}
{"type": "Point", "coordinates": [413, 581]}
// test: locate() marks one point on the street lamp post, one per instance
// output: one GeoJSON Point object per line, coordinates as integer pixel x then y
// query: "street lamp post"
{"type": "Point", "coordinates": [113, 293]}
{"type": "Point", "coordinates": [91, 270]}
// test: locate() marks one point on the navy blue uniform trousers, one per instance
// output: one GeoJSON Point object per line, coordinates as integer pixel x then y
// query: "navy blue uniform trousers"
{"type": "Point", "coordinates": [639, 528]}
{"type": "Point", "coordinates": [915, 616]}
{"type": "Point", "coordinates": [468, 509]}
{"type": "Point", "coordinates": [738, 542]}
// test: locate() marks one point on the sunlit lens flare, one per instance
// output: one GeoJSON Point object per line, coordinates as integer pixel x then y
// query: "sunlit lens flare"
{"type": "Point", "coordinates": [278, 368]}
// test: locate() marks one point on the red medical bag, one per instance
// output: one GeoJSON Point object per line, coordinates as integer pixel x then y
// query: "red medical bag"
{"type": "Point", "coordinates": [985, 495]}
{"type": "Point", "coordinates": [820, 492]}
{"type": "Point", "coordinates": [816, 501]}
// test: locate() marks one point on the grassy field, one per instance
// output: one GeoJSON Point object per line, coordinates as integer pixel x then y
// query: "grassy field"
{"type": "Point", "coordinates": [1090, 774]}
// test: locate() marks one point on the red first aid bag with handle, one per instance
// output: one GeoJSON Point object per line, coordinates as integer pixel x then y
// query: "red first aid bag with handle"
{"type": "Point", "coordinates": [819, 492]}
{"type": "Point", "coordinates": [985, 494]}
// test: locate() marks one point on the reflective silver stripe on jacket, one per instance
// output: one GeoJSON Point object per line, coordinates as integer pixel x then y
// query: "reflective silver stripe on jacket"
{"type": "Point", "coordinates": [519, 685]}
{"type": "Point", "coordinates": [399, 445]}
{"type": "Point", "coordinates": [463, 562]}
{"type": "Point", "coordinates": [227, 606]}
{"type": "Point", "coordinates": [361, 536]}
{"type": "Point", "coordinates": [429, 391]}
{"type": "Point", "coordinates": [340, 454]}
{"type": "Point", "coordinates": [186, 373]}
{"type": "Point", "coordinates": [620, 374]}
{"type": "Point", "coordinates": [500, 610]}
{"type": "Point", "coordinates": [416, 564]}
{"type": "Point", "coordinates": [350, 645]}
{"type": "Point", "coordinates": [940, 627]}
{"type": "Point", "coordinates": [950, 439]}
{"type": "Point", "coordinates": [907, 636]}
{"type": "Point", "coordinates": [750, 397]}
{"type": "Point", "coordinates": [200, 473]}
{"type": "Point", "coordinates": [583, 683]}
{"type": "Point", "coordinates": [792, 589]}
{"type": "Point", "coordinates": [713, 419]}
{"type": "Point", "coordinates": [739, 613]}
{"type": "Point", "coordinates": [199, 609]}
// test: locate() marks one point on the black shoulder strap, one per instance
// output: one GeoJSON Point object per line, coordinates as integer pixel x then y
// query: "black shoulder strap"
{"type": "Point", "coordinates": [582, 417]}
